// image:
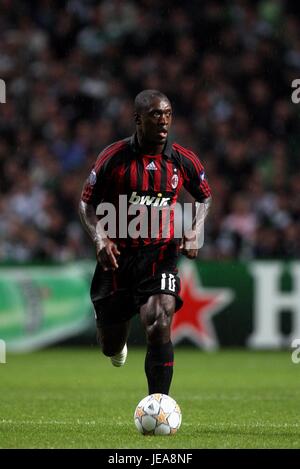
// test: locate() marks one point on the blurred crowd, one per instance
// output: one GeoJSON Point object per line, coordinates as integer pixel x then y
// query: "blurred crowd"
{"type": "Point", "coordinates": [72, 69]}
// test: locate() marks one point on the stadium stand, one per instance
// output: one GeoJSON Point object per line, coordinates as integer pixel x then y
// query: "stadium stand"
{"type": "Point", "coordinates": [72, 69]}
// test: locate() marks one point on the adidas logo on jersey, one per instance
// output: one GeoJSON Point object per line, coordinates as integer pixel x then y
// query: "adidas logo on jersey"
{"type": "Point", "coordinates": [151, 166]}
{"type": "Point", "coordinates": [149, 200]}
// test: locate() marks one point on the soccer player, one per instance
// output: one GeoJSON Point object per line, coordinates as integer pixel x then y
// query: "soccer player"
{"type": "Point", "coordinates": [138, 274]}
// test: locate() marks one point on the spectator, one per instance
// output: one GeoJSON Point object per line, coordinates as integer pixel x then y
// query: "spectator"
{"type": "Point", "coordinates": [72, 69]}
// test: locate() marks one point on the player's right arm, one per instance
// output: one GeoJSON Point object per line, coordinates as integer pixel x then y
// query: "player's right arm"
{"type": "Point", "coordinates": [106, 250]}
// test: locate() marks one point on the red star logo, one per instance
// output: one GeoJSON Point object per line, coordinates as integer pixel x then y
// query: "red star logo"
{"type": "Point", "coordinates": [192, 321]}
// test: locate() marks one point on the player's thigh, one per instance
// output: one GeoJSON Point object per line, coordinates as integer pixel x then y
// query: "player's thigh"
{"type": "Point", "coordinates": [158, 298]}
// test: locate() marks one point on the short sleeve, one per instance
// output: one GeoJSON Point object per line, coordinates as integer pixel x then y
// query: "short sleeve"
{"type": "Point", "coordinates": [92, 192]}
{"type": "Point", "coordinates": [195, 181]}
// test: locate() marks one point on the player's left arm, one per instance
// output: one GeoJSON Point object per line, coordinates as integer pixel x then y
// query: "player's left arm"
{"type": "Point", "coordinates": [193, 238]}
{"type": "Point", "coordinates": [197, 185]}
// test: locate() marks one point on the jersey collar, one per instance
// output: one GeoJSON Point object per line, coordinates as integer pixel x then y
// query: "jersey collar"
{"type": "Point", "coordinates": [167, 151]}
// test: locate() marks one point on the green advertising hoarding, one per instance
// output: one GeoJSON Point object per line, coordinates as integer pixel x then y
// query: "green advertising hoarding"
{"type": "Point", "coordinates": [231, 304]}
{"type": "Point", "coordinates": [42, 305]}
{"type": "Point", "coordinates": [255, 304]}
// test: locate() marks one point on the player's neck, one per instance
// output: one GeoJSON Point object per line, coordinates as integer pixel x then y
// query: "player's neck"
{"type": "Point", "coordinates": [149, 148]}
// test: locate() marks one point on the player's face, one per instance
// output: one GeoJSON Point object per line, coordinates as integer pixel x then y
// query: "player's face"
{"type": "Point", "coordinates": [155, 122]}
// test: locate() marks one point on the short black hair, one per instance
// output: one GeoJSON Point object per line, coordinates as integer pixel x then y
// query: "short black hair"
{"type": "Point", "coordinates": [143, 99]}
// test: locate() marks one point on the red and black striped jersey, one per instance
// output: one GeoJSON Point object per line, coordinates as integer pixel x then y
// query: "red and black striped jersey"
{"type": "Point", "coordinates": [148, 181]}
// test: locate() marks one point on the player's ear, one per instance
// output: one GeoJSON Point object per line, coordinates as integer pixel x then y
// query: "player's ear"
{"type": "Point", "coordinates": [137, 118]}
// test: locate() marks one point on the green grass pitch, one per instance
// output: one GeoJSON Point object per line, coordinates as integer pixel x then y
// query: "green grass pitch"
{"type": "Point", "coordinates": [74, 398]}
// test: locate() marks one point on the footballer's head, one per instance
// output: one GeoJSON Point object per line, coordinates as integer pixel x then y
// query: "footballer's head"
{"type": "Point", "coordinates": [153, 116]}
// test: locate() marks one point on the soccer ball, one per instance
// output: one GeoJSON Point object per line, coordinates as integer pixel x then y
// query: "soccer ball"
{"type": "Point", "coordinates": [157, 414]}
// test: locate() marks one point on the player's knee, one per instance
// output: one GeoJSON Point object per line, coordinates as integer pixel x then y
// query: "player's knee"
{"type": "Point", "coordinates": [159, 327]}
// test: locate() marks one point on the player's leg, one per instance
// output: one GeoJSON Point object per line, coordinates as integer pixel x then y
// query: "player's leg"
{"type": "Point", "coordinates": [113, 338]}
{"type": "Point", "coordinates": [113, 341]}
{"type": "Point", "coordinates": [113, 308]}
{"type": "Point", "coordinates": [156, 316]}
{"type": "Point", "coordinates": [113, 323]}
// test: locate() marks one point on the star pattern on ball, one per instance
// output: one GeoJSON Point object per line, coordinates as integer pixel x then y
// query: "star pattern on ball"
{"type": "Point", "coordinates": [140, 412]}
{"type": "Point", "coordinates": [162, 417]}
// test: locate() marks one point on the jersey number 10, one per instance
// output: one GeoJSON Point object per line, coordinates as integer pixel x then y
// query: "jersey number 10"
{"type": "Point", "coordinates": [168, 279]}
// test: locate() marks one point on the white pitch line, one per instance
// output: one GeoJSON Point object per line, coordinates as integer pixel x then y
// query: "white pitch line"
{"type": "Point", "coordinates": [245, 425]}
{"type": "Point", "coordinates": [46, 422]}
{"type": "Point", "coordinates": [203, 425]}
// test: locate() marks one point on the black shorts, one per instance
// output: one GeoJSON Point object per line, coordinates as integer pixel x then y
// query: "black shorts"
{"type": "Point", "coordinates": [118, 295]}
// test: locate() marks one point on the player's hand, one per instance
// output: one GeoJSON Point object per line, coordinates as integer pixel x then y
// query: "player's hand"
{"type": "Point", "coordinates": [188, 246]}
{"type": "Point", "coordinates": [107, 254]}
